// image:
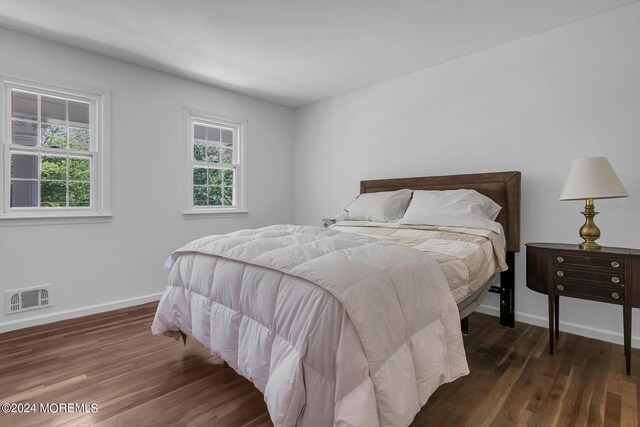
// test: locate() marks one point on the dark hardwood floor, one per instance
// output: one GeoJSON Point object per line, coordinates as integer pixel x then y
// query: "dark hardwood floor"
{"type": "Point", "coordinates": [136, 379]}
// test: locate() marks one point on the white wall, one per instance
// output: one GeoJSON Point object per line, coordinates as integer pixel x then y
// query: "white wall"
{"type": "Point", "coordinates": [531, 105]}
{"type": "Point", "coordinates": [96, 266]}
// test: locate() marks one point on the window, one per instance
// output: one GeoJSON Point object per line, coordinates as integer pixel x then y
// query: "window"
{"type": "Point", "coordinates": [215, 173]}
{"type": "Point", "coordinates": [54, 152]}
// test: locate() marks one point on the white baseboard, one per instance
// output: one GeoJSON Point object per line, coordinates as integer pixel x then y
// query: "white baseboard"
{"type": "Point", "coordinates": [572, 328]}
{"type": "Point", "coordinates": [76, 312]}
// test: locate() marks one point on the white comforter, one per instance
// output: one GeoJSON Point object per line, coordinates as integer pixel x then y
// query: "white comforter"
{"type": "Point", "coordinates": [334, 328]}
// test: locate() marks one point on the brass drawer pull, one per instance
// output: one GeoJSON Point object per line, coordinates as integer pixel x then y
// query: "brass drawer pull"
{"type": "Point", "coordinates": [615, 279]}
{"type": "Point", "coordinates": [560, 259]}
{"type": "Point", "coordinates": [615, 264]}
{"type": "Point", "coordinates": [560, 273]}
{"type": "Point", "coordinates": [560, 287]}
{"type": "Point", "coordinates": [615, 295]}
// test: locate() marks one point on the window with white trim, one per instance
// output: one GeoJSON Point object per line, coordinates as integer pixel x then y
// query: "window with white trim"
{"type": "Point", "coordinates": [54, 152]}
{"type": "Point", "coordinates": [216, 148]}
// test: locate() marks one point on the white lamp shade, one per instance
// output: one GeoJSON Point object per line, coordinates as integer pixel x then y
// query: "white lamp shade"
{"type": "Point", "coordinates": [592, 178]}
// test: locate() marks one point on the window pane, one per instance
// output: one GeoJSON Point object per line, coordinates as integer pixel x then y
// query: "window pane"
{"type": "Point", "coordinates": [79, 194]}
{"type": "Point", "coordinates": [79, 169]}
{"type": "Point", "coordinates": [53, 110]}
{"type": "Point", "coordinates": [199, 132]}
{"type": "Point", "coordinates": [213, 134]}
{"type": "Point", "coordinates": [79, 114]}
{"type": "Point", "coordinates": [24, 133]}
{"type": "Point", "coordinates": [79, 139]}
{"type": "Point", "coordinates": [215, 176]}
{"type": "Point", "coordinates": [226, 155]}
{"type": "Point", "coordinates": [24, 194]}
{"type": "Point", "coordinates": [227, 136]}
{"type": "Point", "coordinates": [24, 105]}
{"type": "Point", "coordinates": [200, 196]}
{"type": "Point", "coordinates": [228, 177]}
{"type": "Point", "coordinates": [51, 149]}
{"type": "Point", "coordinates": [54, 136]}
{"type": "Point", "coordinates": [213, 154]}
{"type": "Point", "coordinates": [215, 196]}
{"type": "Point", "coordinates": [53, 167]}
{"type": "Point", "coordinates": [228, 196]}
{"type": "Point", "coordinates": [53, 194]}
{"type": "Point", "coordinates": [24, 166]}
{"type": "Point", "coordinates": [217, 156]}
{"type": "Point", "coordinates": [199, 176]}
{"type": "Point", "coordinates": [199, 152]}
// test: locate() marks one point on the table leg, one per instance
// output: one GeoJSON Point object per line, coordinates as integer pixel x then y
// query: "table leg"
{"type": "Point", "coordinates": [557, 315]}
{"type": "Point", "coordinates": [551, 320]}
{"type": "Point", "coordinates": [627, 334]}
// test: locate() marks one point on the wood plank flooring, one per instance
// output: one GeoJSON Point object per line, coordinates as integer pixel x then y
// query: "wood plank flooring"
{"type": "Point", "coordinates": [136, 379]}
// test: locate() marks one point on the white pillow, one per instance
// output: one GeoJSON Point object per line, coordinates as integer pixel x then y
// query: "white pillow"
{"type": "Point", "coordinates": [458, 208]}
{"type": "Point", "coordinates": [385, 206]}
{"type": "Point", "coordinates": [454, 202]}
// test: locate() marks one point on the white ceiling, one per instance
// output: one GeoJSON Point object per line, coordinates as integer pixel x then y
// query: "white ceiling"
{"type": "Point", "coordinates": [292, 52]}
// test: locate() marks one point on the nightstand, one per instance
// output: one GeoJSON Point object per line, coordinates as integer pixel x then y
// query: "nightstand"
{"type": "Point", "coordinates": [610, 275]}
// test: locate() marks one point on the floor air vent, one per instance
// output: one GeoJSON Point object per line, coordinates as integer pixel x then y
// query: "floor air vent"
{"type": "Point", "coordinates": [19, 300]}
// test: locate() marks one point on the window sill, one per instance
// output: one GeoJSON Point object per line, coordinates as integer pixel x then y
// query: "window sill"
{"type": "Point", "coordinates": [45, 218]}
{"type": "Point", "coordinates": [221, 213]}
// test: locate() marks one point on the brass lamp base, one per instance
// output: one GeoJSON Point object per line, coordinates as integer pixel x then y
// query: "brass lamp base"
{"type": "Point", "coordinates": [589, 231]}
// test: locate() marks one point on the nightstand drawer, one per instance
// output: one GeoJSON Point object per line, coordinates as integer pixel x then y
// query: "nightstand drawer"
{"type": "Point", "coordinates": [590, 275]}
{"type": "Point", "coordinates": [596, 293]}
{"type": "Point", "coordinates": [613, 263]}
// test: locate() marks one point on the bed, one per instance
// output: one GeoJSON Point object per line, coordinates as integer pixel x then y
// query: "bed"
{"type": "Point", "coordinates": [333, 328]}
{"type": "Point", "coordinates": [504, 189]}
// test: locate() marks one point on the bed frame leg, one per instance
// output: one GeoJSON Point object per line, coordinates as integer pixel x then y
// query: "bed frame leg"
{"type": "Point", "coordinates": [464, 325]}
{"type": "Point", "coordinates": [507, 293]}
{"type": "Point", "coordinates": [184, 338]}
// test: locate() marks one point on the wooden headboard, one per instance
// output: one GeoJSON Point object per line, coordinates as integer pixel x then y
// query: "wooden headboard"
{"type": "Point", "coordinates": [501, 187]}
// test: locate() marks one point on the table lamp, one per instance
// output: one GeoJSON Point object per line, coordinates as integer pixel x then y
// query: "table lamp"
{"type": "Point", "coordinates": [591, 178]}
